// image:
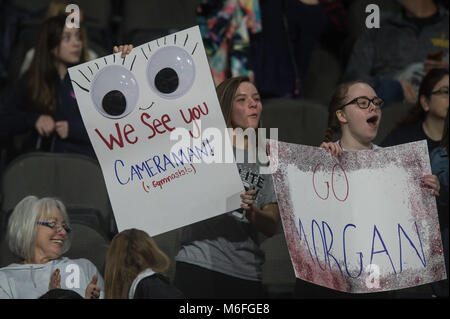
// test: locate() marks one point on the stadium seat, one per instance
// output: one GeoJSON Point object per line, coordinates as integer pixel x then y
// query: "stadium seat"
{"type": "Point", "coordinates": [278, 273]}
{"type": "Point", "coordinates": [169, 243]}
{"type": "Point", "coordinates": [323, 75]}
{"type": "Point", "coordinates": [90, 244]}
{"type": "Point", "coordinates": [392, 114]}
{"type": "Point", "coordinates": [86, 243]}
{"type": "Point", "coordinates": [298, 121]}
{"type": "Point", "coordinates": [6, 256]}
{"type": "Point", "coordinates": [76, 179]}
{"type": "Point", "coordinates": [146, 20]}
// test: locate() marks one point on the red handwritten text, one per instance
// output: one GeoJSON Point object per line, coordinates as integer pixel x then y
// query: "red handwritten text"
{"type": "Point", "coordinates": [325, 197]}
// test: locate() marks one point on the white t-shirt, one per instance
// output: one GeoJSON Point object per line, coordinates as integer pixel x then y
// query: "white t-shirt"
{"type": "Point", "coordinates": [229, 243]}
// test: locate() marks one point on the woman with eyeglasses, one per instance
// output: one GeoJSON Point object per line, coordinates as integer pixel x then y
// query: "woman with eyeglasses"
{"type": "Point", "coordinates": [426, 119]}
{"type": "Point", "coordinates": [39, 233]}
{"type": "Point", "coordinates": [354, 115]}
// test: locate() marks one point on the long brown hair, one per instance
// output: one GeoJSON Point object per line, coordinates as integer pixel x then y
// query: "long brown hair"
{"type": "Point", "coordinates": [131, 252]}
{"type": "Point", "coordinates": [337, 100]}
{"type": "Point", "coordinates": [417, 113]}
{"type": "Point", "coordinates": [43, 75]}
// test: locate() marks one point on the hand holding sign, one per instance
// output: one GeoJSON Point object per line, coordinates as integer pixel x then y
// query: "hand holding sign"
{"type": "Point", "coordinates": [125, 49]}
{"type": "Point", "coordinates": [366, 216]}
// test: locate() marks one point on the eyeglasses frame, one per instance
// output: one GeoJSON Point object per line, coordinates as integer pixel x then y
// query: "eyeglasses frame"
{"type": "Point", "coordinates": [52, 225]}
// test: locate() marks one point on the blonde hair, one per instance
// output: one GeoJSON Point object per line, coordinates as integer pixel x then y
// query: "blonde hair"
{"type": "Point", "coordinates": [131, 252]}
{"type": "Point", "coordinates": [22, 225]}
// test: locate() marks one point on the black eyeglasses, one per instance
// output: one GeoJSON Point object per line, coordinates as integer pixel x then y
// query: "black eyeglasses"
{"type": "Point", "coordinates": [56, 226]}
{"type": "Point", "coordinates": [442, 91]}
{"type": "Point", "coordinates": [364, 102]}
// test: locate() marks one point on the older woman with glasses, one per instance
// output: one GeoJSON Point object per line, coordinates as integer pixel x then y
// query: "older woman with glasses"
{"type": "Point", "coordinates": [39, 233]}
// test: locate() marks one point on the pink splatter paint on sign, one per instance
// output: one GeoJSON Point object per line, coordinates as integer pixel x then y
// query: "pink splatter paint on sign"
{"type": "Point", "coordinates": [368, 226]}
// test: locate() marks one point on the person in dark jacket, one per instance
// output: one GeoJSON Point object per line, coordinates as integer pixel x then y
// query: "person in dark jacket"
{"type": "Point", "coordinates": [43, 104]}
{"type": "Point", "coordinates": [134, 267]}
{"type": "Point", "coordinates": [395, 57]}
{"type": "Point", "coordinates": [425, 120]}
{"type": "Point", "coordinates": [439, 167]}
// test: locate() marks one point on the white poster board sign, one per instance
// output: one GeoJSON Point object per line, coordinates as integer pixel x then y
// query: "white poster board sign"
{"type": "Point", "coordinates": [146, 116]}
{"type": "Point", "coordinates": [361, 223]}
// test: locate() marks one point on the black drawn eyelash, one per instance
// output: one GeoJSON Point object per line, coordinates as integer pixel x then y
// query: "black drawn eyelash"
{"type": "Point", "coordinates": [84, 89]}
{"type": "Point", "coordinates": [134, 59]}
{"type": "Point", "coordinates": [144, 54]}
{"type": "Point", "coordinates": [85, 75]}
{"type": "Point", "coordinates": [194, 49]}
{"type": "Point", "coordinates": [132, 63]}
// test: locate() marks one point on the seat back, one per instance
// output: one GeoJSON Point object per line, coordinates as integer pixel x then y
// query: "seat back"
{"type": "Point", "coordinates": [298, 121]}
{"type": "Point", "coordinates": [89, 244]}
{"type": "Point", "coordinates": [6, 256]}
{"type": "Point", "coordinates": [75, 179]}
{"type": "Point", "coordinates": [392, 114]}
{"type": "Point", "coordinates": [86, 243]}
{"type": "Point", "coordinates": [278, 273]}
{"type": "Point", "coordinates": [146, 20]}
{"type": "Point", "coordinates": [323, 75]}
{"type": "Point", "coordinates": [169, 243]}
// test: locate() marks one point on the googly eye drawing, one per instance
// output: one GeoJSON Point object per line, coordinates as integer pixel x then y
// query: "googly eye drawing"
{"type": "Point", "coordinates": [170, 73]}
{"type": "Point", "coordinates": [133, 108]}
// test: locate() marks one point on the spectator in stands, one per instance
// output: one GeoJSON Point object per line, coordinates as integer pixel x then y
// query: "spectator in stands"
{"type": "Point", "coordinates": [134, 267]}
{"type": "Point", "coordinates": [291, 30]}
{"type": "Point", "coordinates": [394, 58]}
{"type": "Point", "coordinates": [226, 27]}
{"type": "Point", "coordinates": [439, 167]}
{"type": "Point", "coordinates": [425, 120]}
{"type": "Point", "coordinates": [354, 115]}
{"type": "Point", "coordinates": [56, 8]}
{"type": "Point", "coordinates": [44, 103]}
{"type": "Point", "coordinates": [39, 233]}
{"type": "Point", "coordinates": [221, 257]}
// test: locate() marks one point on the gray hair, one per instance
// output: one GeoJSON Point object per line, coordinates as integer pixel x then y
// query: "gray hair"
{"type": "Point", "coordinates": [22, 225]}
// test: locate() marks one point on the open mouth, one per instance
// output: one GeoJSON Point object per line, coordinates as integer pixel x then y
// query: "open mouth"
{"type": "Point", "coordinates": [373, 120]}
{"type": "Point", "coordinates": [57, 241]}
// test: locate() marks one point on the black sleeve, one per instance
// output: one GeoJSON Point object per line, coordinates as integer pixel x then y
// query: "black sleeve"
{"type": "Point", "coordinates": [157, 287]}
{"type": "Point", "coordinates": [13, 118]}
